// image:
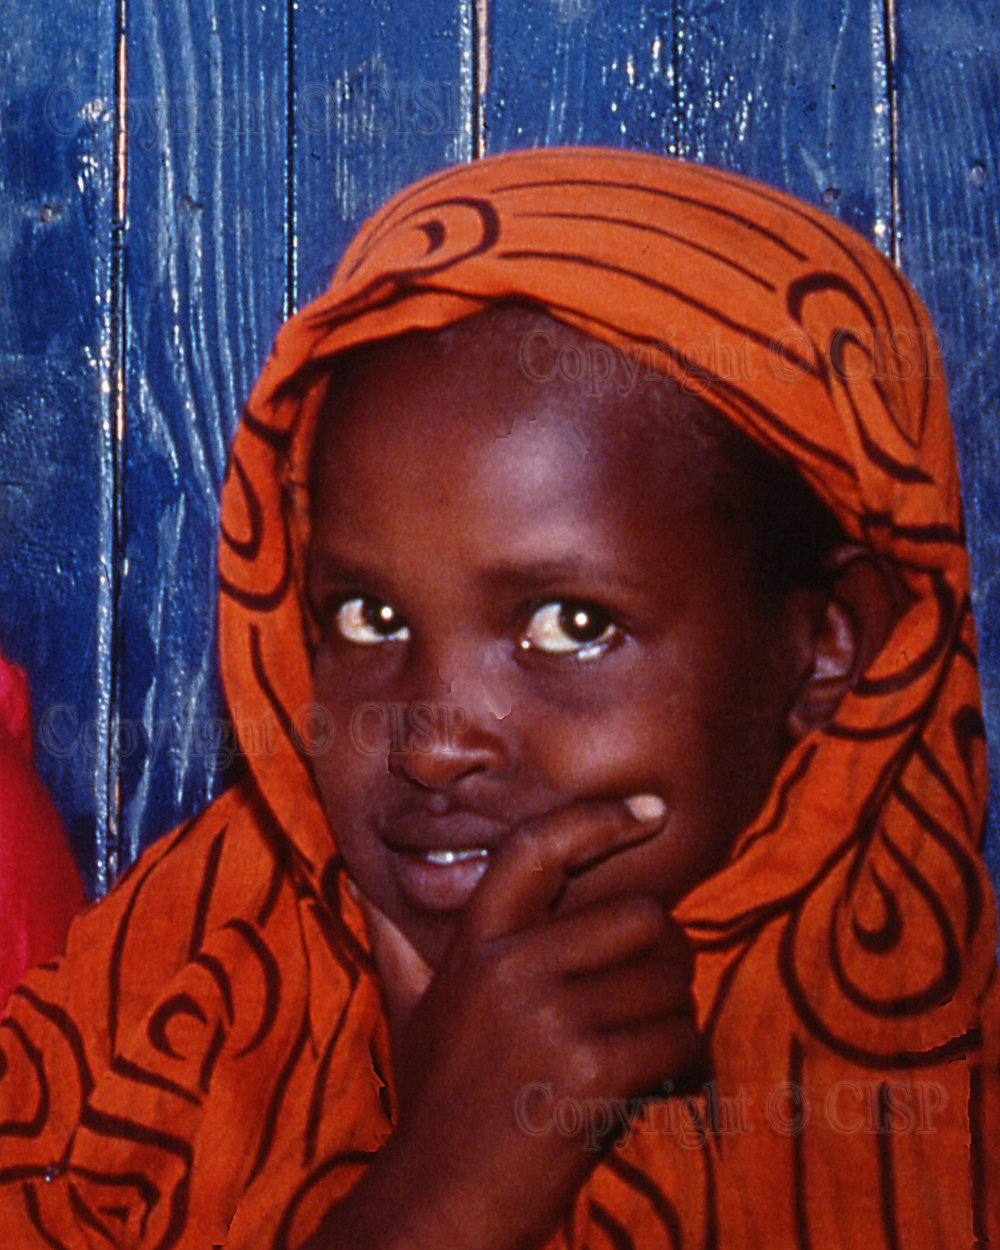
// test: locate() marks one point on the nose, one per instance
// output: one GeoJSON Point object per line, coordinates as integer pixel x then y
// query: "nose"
{"type": "Point", "coordinates": [448, 739]}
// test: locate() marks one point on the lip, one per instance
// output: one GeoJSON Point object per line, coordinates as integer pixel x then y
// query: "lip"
{"type": "Point", "coordinates": [431, 886]}
{"type": "Point", "coordinates": [418, 831]}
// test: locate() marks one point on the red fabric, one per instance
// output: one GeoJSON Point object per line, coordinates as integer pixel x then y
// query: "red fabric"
{"type": "Point", "coordinates": [40, 886]}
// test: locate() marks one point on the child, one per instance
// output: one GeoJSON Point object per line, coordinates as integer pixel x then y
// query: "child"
{"type": "Point", "coordinates": [557, 700]}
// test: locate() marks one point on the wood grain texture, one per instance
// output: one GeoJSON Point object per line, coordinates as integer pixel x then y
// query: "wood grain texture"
{"type": "Point", "coordinates": [948, 93]}
{"type": "Point", "coordinates": [797, 98]}
{"type": "Point", "coordinates": [382, 96]}
{"type": "Point", "coordinates": [57, 373]}
{"type": "Point", "coordinates": [580, 71]}
{"type": "Point", "coordinates": [793, 94]}
{"type": "Point", "coordinates": [206, 291]}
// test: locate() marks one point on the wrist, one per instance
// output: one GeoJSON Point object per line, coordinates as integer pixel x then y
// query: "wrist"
{"type": "Point", "coordinates": [393, 1208]}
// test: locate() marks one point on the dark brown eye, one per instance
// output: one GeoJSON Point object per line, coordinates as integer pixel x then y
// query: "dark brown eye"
{"type": "Point", "coordinates": [366, 620]}
{"type": "Point", "coordinates": [569, 627]}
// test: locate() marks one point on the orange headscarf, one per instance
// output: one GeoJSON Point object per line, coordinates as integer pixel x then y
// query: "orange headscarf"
{"type": "Point", "coordinates": [209, 1064]}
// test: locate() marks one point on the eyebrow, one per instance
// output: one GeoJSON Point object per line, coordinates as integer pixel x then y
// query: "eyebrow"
{"type": "Point", "coordinates": [542, 571]}
{"type": "Point", "coordinates": [331, 566]}
{"type": "Point", "coordinates": [503, 575]}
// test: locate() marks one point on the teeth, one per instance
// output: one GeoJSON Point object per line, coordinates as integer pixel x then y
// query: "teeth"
{"type": "Point", "coordinates": [454, 857]}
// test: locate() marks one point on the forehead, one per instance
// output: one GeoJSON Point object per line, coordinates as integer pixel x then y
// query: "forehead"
{"type": "Point", "coordinates": [443, 465]}
{"type": "Point", "coordinates": [479, 396]}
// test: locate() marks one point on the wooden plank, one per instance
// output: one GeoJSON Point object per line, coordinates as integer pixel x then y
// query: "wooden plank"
{"type": "Point", "coordinates": [755, 88]}
{"type": "Point", "coordinates": [948, 92]}
{"type": "Point", "coordinates": [580, 71]}
{"type": "Point", "coordinates": [206, 292]}
{"type": "Point", "coordinates": [794, 96]}
{"type": "Point", "coordinates": [57, 376]}
{"type": "Point", "coordinates": [382, 96]}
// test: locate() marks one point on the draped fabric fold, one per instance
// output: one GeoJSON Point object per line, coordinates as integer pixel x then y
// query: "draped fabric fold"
{"type": "Point", "coordinates": [209, 1063]}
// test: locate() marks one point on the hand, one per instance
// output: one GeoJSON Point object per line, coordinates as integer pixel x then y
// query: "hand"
{"type": "Point", "coordinates": [405, 974]}
{"type": "Point", "coordinates": [595, 1004]}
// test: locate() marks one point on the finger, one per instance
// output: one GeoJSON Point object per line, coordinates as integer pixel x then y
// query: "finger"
{"type": "Point", "coordinates": [648, 1056]}
{"type": "Point", "coordinates": [612, 931]}
{"type": "Point", "coordinates": [532, 864]}
{"type": "Point", "coordinates": [644, 990]}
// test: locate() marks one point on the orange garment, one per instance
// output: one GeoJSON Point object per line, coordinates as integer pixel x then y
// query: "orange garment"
{"type": "Point", "coordinates": [209, 1065]}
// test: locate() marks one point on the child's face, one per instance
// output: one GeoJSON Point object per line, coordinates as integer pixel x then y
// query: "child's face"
{"type": "Point", "coordinates": [523, 606]}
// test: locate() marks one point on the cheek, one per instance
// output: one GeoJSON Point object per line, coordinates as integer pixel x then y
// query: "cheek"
{"type": "Point", "coordinates": [622, 742]}
{"type": "Point", "coordinates": [355, 757]}
{"type": "Point", "coordinates": [675, 724]}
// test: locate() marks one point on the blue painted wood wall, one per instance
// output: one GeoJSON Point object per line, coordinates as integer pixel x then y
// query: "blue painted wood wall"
{"type": "Point", "coordinates": [175, 178]}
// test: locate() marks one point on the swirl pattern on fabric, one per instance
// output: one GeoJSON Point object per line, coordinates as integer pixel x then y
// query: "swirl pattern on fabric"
{"type": "Point", "coordinates": [846, 952]}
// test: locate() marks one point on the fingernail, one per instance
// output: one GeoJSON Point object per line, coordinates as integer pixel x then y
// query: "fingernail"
{"type": "Point", "coordinates": [646, 807]}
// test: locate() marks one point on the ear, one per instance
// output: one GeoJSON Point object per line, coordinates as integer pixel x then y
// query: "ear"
{"type": "Point", "coordinates": [837, 633]}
